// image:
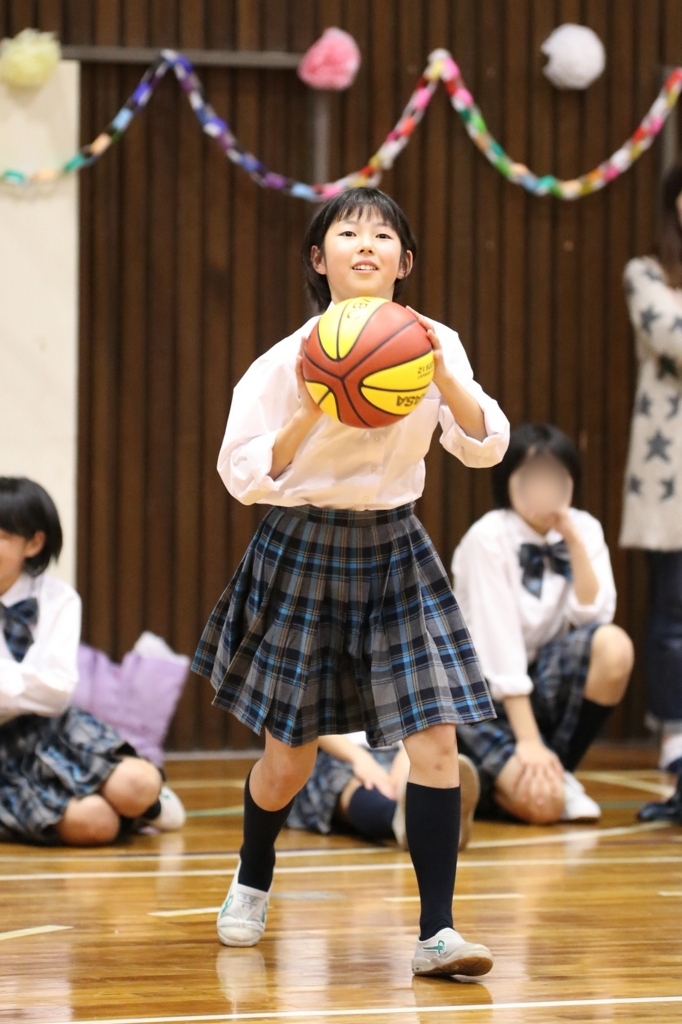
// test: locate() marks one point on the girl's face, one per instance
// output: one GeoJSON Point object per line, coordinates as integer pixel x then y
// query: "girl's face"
{"type": "Point", "coordinates": [14, 550]}
{"type": "Point", "coordinates": [361, 256]}
{"type": "Point", "coordinates": [540, 487]}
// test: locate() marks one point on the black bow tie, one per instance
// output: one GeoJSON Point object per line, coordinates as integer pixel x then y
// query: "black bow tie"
{"type": "Point", "coordinates": [534, 558]}
{"type": "Point", "coordinates": [16, 625]}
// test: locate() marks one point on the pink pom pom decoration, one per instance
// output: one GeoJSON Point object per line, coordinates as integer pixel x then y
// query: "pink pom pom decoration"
{"type": "Point", "coordinates": [332, 62]}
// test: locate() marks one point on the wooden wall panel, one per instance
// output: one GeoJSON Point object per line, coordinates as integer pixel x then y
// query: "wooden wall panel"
{"type": "Point", "coordinates": [188, 271]}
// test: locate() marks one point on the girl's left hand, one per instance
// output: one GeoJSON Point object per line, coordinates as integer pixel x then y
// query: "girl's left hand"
{"type": "Point", "coordinates": [440, 370]}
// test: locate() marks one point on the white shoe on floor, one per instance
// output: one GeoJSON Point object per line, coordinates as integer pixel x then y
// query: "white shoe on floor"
{"type": "Point", "coordinates": [448, 953]}
{"type": "Point", "coordinates": [578, 806]}
{"type": "Point", "coordinates": [172, 815]}
{"type": "Point", "coordinates": [241, 919]}
{"type": "Point", "coordinates": [398, 823]}
{"type": "Point", "coordinates": [470, 792]}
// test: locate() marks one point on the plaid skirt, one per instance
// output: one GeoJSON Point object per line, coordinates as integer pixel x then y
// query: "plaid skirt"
{"type": "Point", "coordinates": [314, 806]}
{"type": "Point", "coordinates": [45, 762]}
{"type": "Point", "coordinates": [338, 621]}
{"type": "Point", "coordinates": [558, 676]}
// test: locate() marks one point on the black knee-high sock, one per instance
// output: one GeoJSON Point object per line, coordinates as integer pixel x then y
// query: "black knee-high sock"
{"type": "Point", "coordinates": [261, 829]}
{"type": "Point", "coordinates": [590, 720]}
{"type": "Point", "coordinates": [432, 818]}
{"type": "Point", "coordinates": [371, 813]}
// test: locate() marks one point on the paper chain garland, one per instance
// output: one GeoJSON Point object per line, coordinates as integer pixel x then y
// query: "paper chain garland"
{"type": "Point", "coordinates": [441, 67]}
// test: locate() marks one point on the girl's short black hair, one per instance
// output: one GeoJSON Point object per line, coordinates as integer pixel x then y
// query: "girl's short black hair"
{"type": "Point", "coordinates": [533, 439]}
{"type": "Point", "coordinates": [26, 509]}
{"type": "Point", "coordinates": [345, 204]}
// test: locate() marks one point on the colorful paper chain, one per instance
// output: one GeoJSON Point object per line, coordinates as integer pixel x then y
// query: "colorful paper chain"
{"type": "Point", "coordinates": [441, 67]}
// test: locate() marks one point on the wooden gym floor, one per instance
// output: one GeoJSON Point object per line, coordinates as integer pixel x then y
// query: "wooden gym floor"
{"type": "Point", "coordinates": [585, 923]}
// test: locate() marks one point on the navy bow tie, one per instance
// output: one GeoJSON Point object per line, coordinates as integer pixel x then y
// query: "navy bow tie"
{"type": "Point", "coordinates": [16, 625]}
{"type": "Point", "coordinates": [534, 558]}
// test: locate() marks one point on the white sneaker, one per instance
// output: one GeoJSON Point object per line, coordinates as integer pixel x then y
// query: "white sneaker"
{"type": "Point", "coordinates": [578, 806]}
{"type": "Point", "coordinates": [398, 823]}
{"type": "Point", "coordinates": [172, 815]}
{"type": "Point", "coordinates": [448, 953]}
{"type": "Point", "coordinates": [241, 919]}
{"type": "Point", "coordinates": [470, 792]}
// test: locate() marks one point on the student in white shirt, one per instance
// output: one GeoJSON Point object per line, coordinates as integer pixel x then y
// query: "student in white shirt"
{"type": "Point", "coordinates": [340, 617]}
{"type": "Point", "coordinates": [65, 776]}
{"type": "Point", "coordinates": [652, 510]}
{"type": "Point", "coordinates": [535, 585]}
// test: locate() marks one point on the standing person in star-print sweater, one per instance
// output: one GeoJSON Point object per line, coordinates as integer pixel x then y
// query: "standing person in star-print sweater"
{"type": "Point", "coordinates": [652, 517]}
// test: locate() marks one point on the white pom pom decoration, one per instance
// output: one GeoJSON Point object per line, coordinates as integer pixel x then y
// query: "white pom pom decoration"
{"type": "Point", "coordinates": [576, 57]}
{"type": "Point", "coordinates": [28, 60]}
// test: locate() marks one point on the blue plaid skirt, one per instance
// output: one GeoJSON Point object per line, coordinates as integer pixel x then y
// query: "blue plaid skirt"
{"type": "Point", "coordinates": [338, 621]}
{"type": "Point", "coordinates": [45, 762]}
{"type": "Point", "coordinates": [558, 674]}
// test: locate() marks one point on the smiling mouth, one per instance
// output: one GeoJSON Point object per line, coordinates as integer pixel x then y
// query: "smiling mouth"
{"type": "Point", "coordinates": [364, 266]}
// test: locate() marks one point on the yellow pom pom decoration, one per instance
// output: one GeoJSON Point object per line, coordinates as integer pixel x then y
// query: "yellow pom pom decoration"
{"type": "Point", "coordinates": [28, 60]}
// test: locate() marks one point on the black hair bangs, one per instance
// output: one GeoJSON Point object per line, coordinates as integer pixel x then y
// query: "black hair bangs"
{"type": "Point", "coordinates": [26, 509]}
{"type": "Point", "coordinates": [354, 202]}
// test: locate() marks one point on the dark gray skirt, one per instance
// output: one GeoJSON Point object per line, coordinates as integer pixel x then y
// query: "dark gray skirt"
{"type": "Point", "coordinates": [46, 762]}
{"type": "Point", "coordinates": [338, 621]}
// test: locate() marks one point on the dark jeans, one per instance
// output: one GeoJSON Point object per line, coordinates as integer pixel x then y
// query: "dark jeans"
{"type": "Point", "coordinates": [663, 649]}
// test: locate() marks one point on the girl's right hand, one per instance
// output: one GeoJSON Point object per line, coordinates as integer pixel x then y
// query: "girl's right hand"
{"type": "Point", "coordinates": [542, 774]}
{"type": "Point", "coordinates": [308, 404]}
{"type": "Point", "coordinates": [372, 776]}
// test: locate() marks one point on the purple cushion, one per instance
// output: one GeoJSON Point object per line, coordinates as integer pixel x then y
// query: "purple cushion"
{"type": "Point", "coordinates": [137, 698]}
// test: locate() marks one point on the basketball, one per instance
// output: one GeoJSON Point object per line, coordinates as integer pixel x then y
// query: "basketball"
{"type": "Point", "coordinates": [368, 362]}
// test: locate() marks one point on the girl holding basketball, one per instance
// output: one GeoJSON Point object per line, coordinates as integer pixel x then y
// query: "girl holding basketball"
{"type": "Point", "coordinates": [340, 616]}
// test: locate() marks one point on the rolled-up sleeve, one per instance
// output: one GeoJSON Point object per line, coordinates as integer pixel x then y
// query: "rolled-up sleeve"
{"type": "Point", "coordinates": [484, 592]}
{"type": "Point", "coordinates": [603, 608]}
{"type": "Point", "coordinates": [473, 453]}
{"type": "Point", "coordinates": [263, 401]}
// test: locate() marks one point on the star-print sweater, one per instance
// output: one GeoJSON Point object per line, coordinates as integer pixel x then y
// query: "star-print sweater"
{"type": "Point", "coordinates": [652, 509]}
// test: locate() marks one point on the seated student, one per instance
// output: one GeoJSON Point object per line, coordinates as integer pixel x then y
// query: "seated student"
{"type": "Point", "coordinates": [535, 585]}
{"type": "Point", "coordinates": [355, 789]}
{"type": "Point", "coordinates": [65, 776]}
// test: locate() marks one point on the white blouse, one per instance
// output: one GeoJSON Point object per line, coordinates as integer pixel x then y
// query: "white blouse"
{"type": "Point", "coordinates": [508, 624]}
{"type": "Point", "coordinates": [338, 466]}
{"type": "Point", "coordinates": [42, 683]}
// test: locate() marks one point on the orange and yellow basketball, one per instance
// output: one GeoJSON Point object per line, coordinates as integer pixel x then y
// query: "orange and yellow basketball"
{"type": "Point", "coordinates": [368, 362]}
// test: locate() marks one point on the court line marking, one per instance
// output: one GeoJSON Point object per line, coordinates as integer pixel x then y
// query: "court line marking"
{"type": "Point", "coordinates": [236, 811]}
{"type": "Point", "coordinates": [333, 851]}
{"type": "Point", "coordinates": [191, 912]}
{"type": "Point", "coordinates": [354, 851]}
{"type": "Point", "coordinates": [197, 911]}
{"type": "Point", "coordinates": [403, 865]}
{"type": "Point", "coordinates": [386, 1011]}
{"type": "Point", "coordinates": [458, 897]}
{"type": "Point", "coordinates": [209, 783]}
{"type": "Point", "coordinates": [671, 892]}
{"type": "Point", "coordinates": [563, 837]}
{"type": "Point", "coordinates": [625, 780]}
{"type": "Point", "coordinates": [43, 929]}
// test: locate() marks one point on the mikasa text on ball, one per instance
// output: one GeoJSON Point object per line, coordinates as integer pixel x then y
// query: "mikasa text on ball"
{"type": "Point", "coordinates": [368, 362]}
